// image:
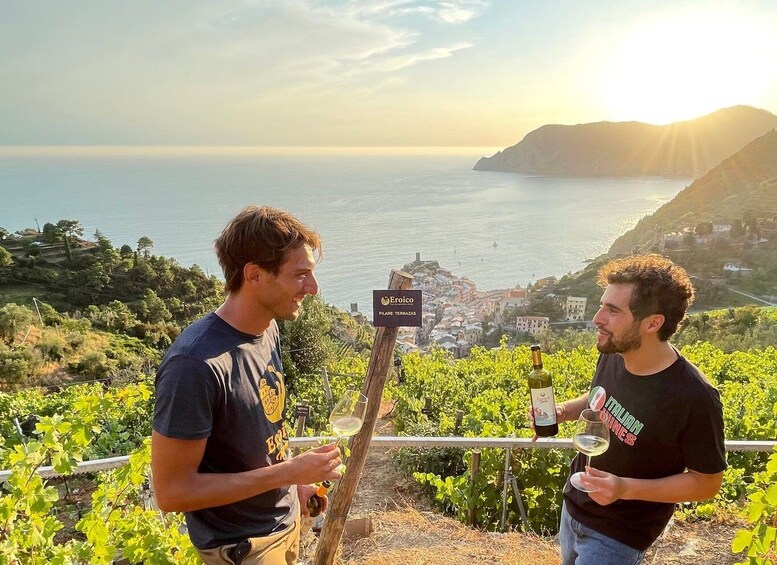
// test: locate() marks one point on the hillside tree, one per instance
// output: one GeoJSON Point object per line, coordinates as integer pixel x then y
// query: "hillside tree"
{"type": "Point", "coordinates": [13, 320]}
{"type": "Point", "coordinates": [51, 233]}
{"type": "Point", "coordinates": [305, 342]}
{"type": "Point", "coordinates": [66, 229]}
{"type": "Point", "coordinates": [704, 228]}
{"type": "Point", "coordinates": [145, 244]}
{"type": "Point", "coordinates": [153, 309]}
{"type": "Point", "coordinates": [5, 258]}
{"type": "Point", "coordinates": [737, 229]}
{"type": "Point", "coordinates": [103, 243]}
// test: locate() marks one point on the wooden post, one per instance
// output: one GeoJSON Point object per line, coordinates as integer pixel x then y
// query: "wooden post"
{"type": "Point", "coordinates": [380, 362]}
{"type": "Point", "coordinates": [302, 411]}
{"type": "Point", "coordinates": [459, 420]}
{"type": "Point", "coordinates": [473, 473]}
{"type": "Point", "coordinates": [327, 389]}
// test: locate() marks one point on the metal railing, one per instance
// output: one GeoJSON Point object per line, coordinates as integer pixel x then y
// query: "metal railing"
{"type": "Point", "coordinates": [401, 441]}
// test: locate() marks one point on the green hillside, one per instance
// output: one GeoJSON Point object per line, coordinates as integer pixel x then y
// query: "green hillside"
{"type": "Point", "coordinates": [687, 148]}
{"type": "Point", "coordinates": [744, 184]}
{"type": "Point", "coordinates": [730, 329]}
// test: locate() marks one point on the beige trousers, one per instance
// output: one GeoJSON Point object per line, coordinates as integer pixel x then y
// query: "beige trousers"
{"type": "Point", "coordinates": [281, 548]}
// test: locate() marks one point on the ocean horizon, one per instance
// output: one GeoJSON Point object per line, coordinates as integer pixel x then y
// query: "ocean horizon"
{"type": "Point", "coordinates": [375, 208]}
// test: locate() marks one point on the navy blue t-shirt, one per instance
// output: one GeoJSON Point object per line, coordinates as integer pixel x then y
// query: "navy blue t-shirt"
{"type": "Point", "coordinates": [218, 383]}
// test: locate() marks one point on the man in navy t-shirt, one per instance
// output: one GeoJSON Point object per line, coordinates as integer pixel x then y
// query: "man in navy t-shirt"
{"type": "Point", "coordinates": [219, 445]}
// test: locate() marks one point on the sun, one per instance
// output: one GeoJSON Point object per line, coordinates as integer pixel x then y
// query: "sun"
{"type": "Point", "coordinates": [687, 65]}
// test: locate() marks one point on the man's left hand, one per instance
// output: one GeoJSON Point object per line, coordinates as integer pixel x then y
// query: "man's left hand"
{"type": "Point", "coordinates": [304, 492]}
{"type": "Point", "coordinates": [609, 487]}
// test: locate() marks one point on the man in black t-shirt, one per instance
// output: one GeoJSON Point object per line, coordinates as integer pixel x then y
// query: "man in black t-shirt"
{"type": "Point", "coordinates": [665, 419]}
{"type": "Point", "coordinates": [219, 448]}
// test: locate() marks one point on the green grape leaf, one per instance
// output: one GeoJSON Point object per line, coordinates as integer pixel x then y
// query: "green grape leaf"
{"type": "Point", "coordinates": [771, 495]}
{"type": "Point", "coordinates": [742, 541]}
{"type": "Point", "coordinates": [755, 511]}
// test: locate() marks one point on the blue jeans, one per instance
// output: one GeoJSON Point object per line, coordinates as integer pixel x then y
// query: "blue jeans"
{"type": "Point", "coordinates": [580, 545]}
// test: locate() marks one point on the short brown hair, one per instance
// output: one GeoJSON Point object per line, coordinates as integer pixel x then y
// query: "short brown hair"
{"type": "Point", "coordinates": [262, 235]}
{"type": "Point", "coordinates": [660, 287]}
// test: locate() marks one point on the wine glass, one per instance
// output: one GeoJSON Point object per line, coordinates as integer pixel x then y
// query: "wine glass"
{"type": "Point", "coordinates": [347, 416]}
{"type": "Point", "coordinates": [591, 437]}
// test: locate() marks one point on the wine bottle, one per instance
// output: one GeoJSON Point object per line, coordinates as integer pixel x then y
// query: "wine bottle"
{"type": "Point", "coordinates": [316, 502]}
{"type": "Point", "coordinates": [543, 403]}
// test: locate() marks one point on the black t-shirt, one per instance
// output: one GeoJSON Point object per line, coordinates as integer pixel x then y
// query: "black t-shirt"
{"type": "Point", "coordinates": [659, 425]}
{"type": "Point", "coordinates": [218, 383]}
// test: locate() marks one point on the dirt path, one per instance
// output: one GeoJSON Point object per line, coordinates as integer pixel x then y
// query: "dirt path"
{"type": "Point", "coordinates": [700, 543]}
{"type": "Point", "coordinates": [407, 531]}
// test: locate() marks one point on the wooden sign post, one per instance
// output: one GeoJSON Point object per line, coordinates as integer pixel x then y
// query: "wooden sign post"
{"type": "Point", "coordinates": [381, 361]}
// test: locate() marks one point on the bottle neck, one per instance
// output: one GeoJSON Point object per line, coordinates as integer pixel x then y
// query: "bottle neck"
{"type": "Point", "coordinates": [536, 358]}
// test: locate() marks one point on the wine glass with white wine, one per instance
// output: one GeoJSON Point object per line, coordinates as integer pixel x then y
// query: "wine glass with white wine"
{"type": "Point", "coordinates": [591, 438]}
{"type": "Point", "coordinates": [347, 416]}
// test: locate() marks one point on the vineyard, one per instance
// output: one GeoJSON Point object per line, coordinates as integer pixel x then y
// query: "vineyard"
{"type": "Point", "coordinates": [92, 421]}
{"type": "Point", "coordinates": [491, 390]}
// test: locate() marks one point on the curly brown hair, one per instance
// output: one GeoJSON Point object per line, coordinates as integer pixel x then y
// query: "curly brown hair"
{"type": "Point", "coordinates": [660, 287]}
{"type": "Point", "coordinates": [262, 235]}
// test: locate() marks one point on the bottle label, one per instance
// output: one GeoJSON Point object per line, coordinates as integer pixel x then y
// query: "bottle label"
{"type": "Point", "coordinates": [544, 406]}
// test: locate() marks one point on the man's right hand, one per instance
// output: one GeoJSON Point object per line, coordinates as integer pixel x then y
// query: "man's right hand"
{"type": "Point", "coordinates": [530, 415]}
{"type": "Point", "coordinates": [180, 487]}
{"type": "Point", "coordinates": [316, 465]}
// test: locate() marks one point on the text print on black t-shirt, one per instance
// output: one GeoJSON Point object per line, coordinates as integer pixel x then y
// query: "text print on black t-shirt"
{"type": "Point", "coordinates": [622, 424]}
{"type": "Point", "coordinates": [272, 393]}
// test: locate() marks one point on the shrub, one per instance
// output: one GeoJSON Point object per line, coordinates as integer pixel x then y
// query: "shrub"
{"type": "Point", "coordinates": [13, 320]}
{"type": "Point", "coordinates": [17, 365]}
{"type": "Point", "coordinates": [52, 346]}
{"type": "Point", "coordinates": [95, 364]}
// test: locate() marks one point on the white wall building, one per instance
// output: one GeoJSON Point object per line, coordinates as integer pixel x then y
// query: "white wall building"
{"type": "Point", "coordinates": [736, 268]}
{"type": "Point", "coordinates": [531, 324]}
{"type": "Point", "coordinates": [473, 331]}
{"type": "Point", "coordinates": [721, 228]}
{"type": "Point", "coordinates": [512, 299]}
{"type": "Point", "coordinates": [574, 309]}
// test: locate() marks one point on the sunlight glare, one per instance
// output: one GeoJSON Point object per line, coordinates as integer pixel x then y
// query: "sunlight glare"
{"type": "Point", "coordinates": [687, 66]}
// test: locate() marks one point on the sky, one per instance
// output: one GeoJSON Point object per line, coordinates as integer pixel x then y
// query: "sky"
{"type": "Point", "coordinates": [370, 73]}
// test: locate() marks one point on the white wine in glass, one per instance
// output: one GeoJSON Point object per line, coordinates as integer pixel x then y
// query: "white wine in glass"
{"type": "Point", "coordinates": [345, 426]}
{"type": "Point", "coordinates": [347, 416]}
{"type": "Point", "coordinates": [591, 438]}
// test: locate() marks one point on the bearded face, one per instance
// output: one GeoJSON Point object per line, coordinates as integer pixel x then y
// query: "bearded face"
{"type": "Point", "coordinates": [619, 330]}
{"type": "Point", "coordinates": [627, 341]}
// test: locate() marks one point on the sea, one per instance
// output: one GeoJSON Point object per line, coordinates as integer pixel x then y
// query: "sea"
{"type": "Point", "coordinates": [375, 211]}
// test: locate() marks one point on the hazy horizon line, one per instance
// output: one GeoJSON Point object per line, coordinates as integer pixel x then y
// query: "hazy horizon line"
{"type": "Point", "coordinates": [280, 150]}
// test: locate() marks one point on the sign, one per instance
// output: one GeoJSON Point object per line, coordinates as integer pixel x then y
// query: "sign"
{"type": "Point", "coordinates": [395, 308]}
{"type": "Point", "coordinates": [302, 410]}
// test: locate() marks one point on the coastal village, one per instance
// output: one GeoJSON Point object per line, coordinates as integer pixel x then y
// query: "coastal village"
{"type": "Point", "coordinates": [456, 314]}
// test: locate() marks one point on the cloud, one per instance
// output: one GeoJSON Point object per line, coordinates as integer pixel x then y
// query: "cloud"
{"type": "Point", "coordinates": [214, 66]}
{"type": "Point", "coordinates": [311, 45]}
{"type": "Point", "coordinates": [458, 12]}
{"type": "Point", "coordinates": [448, 11]}
{"type": "Point", "coordinates": [391, 64]}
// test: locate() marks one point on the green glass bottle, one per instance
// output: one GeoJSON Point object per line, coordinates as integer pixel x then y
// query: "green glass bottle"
{"type": "Point", "coordinates": [316, 502]}
{"type": "Point", "coordinates": [543, 402]}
